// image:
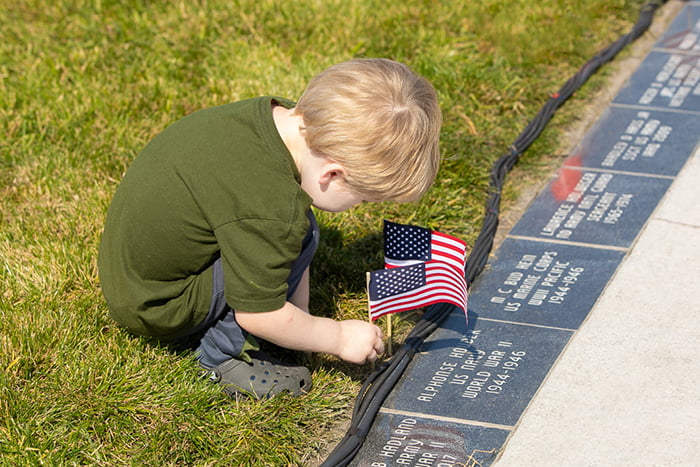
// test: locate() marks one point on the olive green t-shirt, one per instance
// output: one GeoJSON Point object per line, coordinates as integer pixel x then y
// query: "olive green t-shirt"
{"type": "Point", "coordinates": [217, 183]}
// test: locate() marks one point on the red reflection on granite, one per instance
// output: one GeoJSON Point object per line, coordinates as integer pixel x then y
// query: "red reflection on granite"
{"type": "Point", "coordinates": [567, 178]}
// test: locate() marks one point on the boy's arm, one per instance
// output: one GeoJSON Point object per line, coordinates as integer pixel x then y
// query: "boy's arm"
{"type": "Point", "coordinates": [291, 327]}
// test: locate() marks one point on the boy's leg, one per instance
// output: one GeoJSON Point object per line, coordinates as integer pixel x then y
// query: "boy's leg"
{"type": "Point", "coordinates": [223, 338]}
{"type": "Point", "coordinates": [225, 345]}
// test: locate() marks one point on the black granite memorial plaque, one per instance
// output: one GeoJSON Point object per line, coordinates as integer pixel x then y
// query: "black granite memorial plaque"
{"type": "Point", "coordinates": [592, 207]}
{"type": "Point", "coordinates": [543, 283]}
{"type": "Point", "coordinates": [410, 440]}
{"type": "Point", "coordinates": [487, 374]}
{"type": "Point", "coordinates": [684, 31]}
{"type": "Point", "coordinates": [638, 140]}
{"type": "Point", "coordinates": [665, 80]}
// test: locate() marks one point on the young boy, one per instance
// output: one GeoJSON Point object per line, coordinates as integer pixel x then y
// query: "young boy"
{"type": "Point", "coordinates": [210, 234]}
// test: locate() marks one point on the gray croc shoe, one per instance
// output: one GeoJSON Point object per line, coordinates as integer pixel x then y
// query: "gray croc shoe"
{"type": "Point", "coordinates": [263, 377]}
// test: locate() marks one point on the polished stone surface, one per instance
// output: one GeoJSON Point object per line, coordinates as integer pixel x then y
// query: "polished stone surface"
{"type": "Point", "coordinates": [586, 206]}
{"type": "Point", "coordinates": [626, 390]}
{"type": "Point", "coordinates": [684, 31]}
{"type": "Point", "coordinates": [546, 284]}
{"type": "Point", "coordinates": [640, 141]}
{"type": "Point", "coordinates": [409, 439]}
{"type": "Point", "coordinates": [666, 81]}
{"type": "Point", "coordinates": [488, 374]}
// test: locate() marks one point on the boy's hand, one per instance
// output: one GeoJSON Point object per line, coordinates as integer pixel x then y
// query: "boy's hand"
{"type": "Point", "coordinates": [359, 341]}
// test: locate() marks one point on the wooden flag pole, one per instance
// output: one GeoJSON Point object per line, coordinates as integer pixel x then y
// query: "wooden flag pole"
{"type": "Point", "coordinates": [369, 307]}
{"type": "Point", "coordinates": [389, 336]}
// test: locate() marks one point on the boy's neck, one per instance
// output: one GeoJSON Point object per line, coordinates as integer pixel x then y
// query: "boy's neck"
{"type": "Point", "coordinates": [289, 128]}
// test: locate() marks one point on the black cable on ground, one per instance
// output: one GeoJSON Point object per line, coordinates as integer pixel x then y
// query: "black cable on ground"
{"type": "Point", "coordinates": [380, 383]}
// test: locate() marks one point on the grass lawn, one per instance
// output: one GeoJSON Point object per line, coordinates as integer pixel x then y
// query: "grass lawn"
{"type": "Point", "coordinates": [85, 84]}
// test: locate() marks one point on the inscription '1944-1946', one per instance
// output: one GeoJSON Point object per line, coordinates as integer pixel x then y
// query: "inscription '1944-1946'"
{"type": "Point", "coordinates": [476, 371]}
{"type": "Point", "coordinates": [537, 280]}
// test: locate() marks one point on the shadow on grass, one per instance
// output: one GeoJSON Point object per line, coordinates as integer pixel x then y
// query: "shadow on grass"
{"type": "Point", "coordinates": [339, 267]}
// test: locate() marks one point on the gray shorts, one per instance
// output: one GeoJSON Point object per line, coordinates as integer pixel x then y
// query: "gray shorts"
{"type": "Point", "coordinates": [219, 337]}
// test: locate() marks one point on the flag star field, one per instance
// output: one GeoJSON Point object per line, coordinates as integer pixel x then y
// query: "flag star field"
{"type": "Point", "coordinates": [395, 281]}
{"type": "Point", "coordinates": [406, 242]}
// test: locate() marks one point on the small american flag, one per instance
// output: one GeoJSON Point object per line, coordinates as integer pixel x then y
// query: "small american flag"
{"type": "Point", "coordinates": [409, 244]}
{"type": "Point", "coordinates": [423, 267]}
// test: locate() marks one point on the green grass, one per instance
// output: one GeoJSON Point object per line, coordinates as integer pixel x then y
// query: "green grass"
{"type": "Point", "coordinates": [85, 84]}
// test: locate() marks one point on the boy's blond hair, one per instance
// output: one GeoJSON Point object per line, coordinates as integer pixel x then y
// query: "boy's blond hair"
{"type": "Point", "coordinates": [380, 121]}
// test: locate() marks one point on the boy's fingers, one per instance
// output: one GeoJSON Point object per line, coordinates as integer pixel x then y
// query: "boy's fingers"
{"type": "Point", "coordinates": [372, 357]}
{"type": "Point", "coordinates": [379, 346]}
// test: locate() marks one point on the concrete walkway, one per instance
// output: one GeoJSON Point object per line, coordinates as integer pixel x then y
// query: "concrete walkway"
{"type": "Point", "coordinates": [626, 390]}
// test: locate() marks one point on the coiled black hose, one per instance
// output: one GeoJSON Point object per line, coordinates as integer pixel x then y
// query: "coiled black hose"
{"type": "Point", "coordinates": [380, 382]}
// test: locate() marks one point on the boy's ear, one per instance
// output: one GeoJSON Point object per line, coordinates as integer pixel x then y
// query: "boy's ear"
{"type": "Point", "coordinates": [331, 171]}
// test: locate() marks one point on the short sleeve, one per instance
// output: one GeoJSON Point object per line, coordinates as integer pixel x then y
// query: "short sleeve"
{"type": "Point", "coordinates": [256, 258]}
